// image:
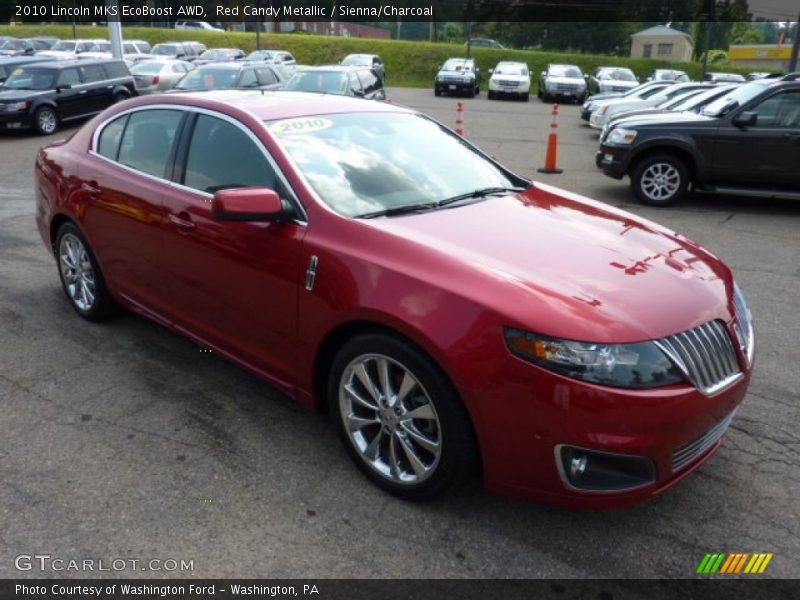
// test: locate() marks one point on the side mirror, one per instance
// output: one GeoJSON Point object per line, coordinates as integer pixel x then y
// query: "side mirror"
{"type": "Point", "coordinates": [358, 93]}
{"type": "Point", "coordinates": [745, 119]}
{"type": "Point", "coordinates": [247, 204]}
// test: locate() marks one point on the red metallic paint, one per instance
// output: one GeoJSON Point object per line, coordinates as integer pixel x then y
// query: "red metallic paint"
{"type": "Point", "coordinates": [546, 261]}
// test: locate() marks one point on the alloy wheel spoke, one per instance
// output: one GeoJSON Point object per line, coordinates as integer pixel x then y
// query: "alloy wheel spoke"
{"type": "Point", "coordinates": [416, 463]}
{"type": "Point", "coordinates": [371, 451]}
{"type": "Point", "coordinates": [430, 445]}
{"type": "Point", "coordinates": [355, 423]}
{"type": "Point", "coordinates": [383, 376]}
{"type": "Point", "coordinates": [406, 385]}
{"type": "Point", "coordinates": [366, 381]}
{"type": "Point", "coordinates": [358, 399]}
{"type": "Point", "coordinates": [394, 459]}
{"type": "Point", "coordinates": [424, 411]}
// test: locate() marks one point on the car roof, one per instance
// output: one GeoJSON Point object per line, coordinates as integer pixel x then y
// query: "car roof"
{"type": "Point", "coordinates": [58, 65]}
{"type": "Point", "coordinates": [232, 65]}
{"type": "Point", "coordinates": [339, 68]}
{"type": "Point", "coordinates": [13, 60]}
{"type": "Point", "coordinates": [268, 105]}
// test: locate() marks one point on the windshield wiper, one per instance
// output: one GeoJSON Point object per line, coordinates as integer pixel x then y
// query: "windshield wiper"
{"type": "Point", "coordinates": [480, 193]}
{"type": "Point", "coordinates": [399, 210]}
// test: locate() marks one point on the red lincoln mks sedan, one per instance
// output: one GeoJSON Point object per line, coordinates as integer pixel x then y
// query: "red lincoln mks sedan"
{"type": "Point", "coordinates": [449, 314]}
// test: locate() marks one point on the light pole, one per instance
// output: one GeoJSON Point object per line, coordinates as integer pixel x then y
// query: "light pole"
{"type": "Point", "coordinates": [795, 47]}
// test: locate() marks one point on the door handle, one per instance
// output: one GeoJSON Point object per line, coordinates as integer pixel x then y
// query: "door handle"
{"type": "Point", "coordinates": [90, 187]}
{"type": "Point", "coordinates": [82, 92]}
{"type": "Point", "coordinates": [183, 223]}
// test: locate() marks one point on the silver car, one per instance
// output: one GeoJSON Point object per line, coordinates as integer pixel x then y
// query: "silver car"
{"type": "Point", "coordinates": [154, 76]}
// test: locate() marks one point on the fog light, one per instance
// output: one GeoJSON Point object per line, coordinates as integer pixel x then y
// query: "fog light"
{"type": "Point", "coordinates": [596, 471]}
{"type": "Point", "coordinates": [577, 465]}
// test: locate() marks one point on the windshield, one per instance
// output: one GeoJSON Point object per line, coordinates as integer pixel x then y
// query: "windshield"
{"type": "Point", "coordinates": [571, 72]}
{"type": "Point", "coordinates": [101, 47]}
{"type": "Point", "coordinates": [617, 75]}
{"type": "Point", "coordinates": [364, 162]}
{"type": "Point", "coordinates": [64, 46]}
{"type": "Point", "coordinates": [679, 102]}
{"type": "Point", "coordinates": [168, 49]}
{"type": "Point", "coordinates": [511, 70]}
{"type": "Point", "coordinates": [737, 97]}
{"type": "Point", "coordinates": [217, 54]}
{"type": "Point", "coordinates": [456, 64]}
{"type": "Point", "coordinates": [26, 78]}
{"type": "Point", "coordinates": [208, 79]}
{"type": "Point", "coordinates": [147, 68]}
{"type": "Point", "coordinates": [679, 76]}
{"type": "Point", "coordinates": [13, 45]}
{"type": "Point", "coordinates": [323, 82]}
{"type": "Point", "coordinates": [357, 60]}
{"type": "Point", "coordinates": [260, 55]}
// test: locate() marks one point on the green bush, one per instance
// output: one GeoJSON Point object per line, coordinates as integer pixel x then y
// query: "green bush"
{"type": "Point", "coordinates": [411, 64]}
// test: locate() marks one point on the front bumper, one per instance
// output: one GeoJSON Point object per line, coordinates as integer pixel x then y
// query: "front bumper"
{"type": "Point", "coordinates": [597, 120]}
{"type": "Point", "coordinates": [455, 87]}
{"type": "Point", "coordinates": [523, 421]}
{"type": "Point", "coordinates": [510, 90]}
{"type": "Point", "coordinates": [15, 120]}
{"type": "Point", "coordinates": [586, 114]}
{"type": "Point", "coordinates": [613, 160]}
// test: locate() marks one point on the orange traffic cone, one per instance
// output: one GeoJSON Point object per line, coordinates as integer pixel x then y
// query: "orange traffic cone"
{"type": "Point", "coordinates": [460, 118]}
{"type": "Point", "coordinates": [552, 146]}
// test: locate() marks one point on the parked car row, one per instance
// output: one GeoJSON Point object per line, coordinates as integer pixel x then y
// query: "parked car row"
{"type": "Point", "coordinates": [739, 139]}
{"type": "Point", "coordinates": [42, 91]}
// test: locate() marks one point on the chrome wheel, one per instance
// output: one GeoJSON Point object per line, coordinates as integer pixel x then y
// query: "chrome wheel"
{"type": "Point", "coordinates": [390, 419]}
{"type": "Point", "coordinates": [47, 121]}
{"type": "Point", "coordinates": [660, 181]}
{"type": "Point", "coordinates": [77, 272]}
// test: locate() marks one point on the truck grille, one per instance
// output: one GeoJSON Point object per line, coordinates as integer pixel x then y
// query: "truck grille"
{"type": "Point", "coordinates": [688, 453]}
{"type": "Point", "coordinates": [706, 355]}
{"type": "Point", "coordinates": [566, 87]}
{"type": "Point", "coordinates": [508, 83]}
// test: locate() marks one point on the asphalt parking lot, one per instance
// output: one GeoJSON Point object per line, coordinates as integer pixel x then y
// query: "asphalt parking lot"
{"type": "Point", "coordinates": [124, 441]}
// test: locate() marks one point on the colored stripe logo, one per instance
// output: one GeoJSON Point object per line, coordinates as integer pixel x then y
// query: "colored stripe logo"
{"type": "Point", "coordinates": [734, 563]}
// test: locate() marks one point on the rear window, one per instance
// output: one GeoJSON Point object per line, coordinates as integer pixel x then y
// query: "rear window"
{"type": "Point", "coordinates": [325, 82]}
{"type": "Point", "coordinates": [147, 68]}
{"type": "Point", "coordinates": [116, 69]}
{"type": "Point", "coordinates": [92, 73]}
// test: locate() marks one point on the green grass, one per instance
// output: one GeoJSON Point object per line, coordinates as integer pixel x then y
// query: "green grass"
{"type": "Point", "coordinates": [409, 64]}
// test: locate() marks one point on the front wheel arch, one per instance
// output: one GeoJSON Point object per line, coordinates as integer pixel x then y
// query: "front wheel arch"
{"type": "Point", "coordinates": [684, 155]}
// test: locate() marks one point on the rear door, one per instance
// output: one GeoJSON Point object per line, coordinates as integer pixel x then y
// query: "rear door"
{"type": "Point", "coordinates": [98, 88]}
{"type": "Point", "coordinates": [767, 154]}
{"type": "Point", "coordinates": [72, 101]}
{"type": "Point", "coordinates": [124, 180]}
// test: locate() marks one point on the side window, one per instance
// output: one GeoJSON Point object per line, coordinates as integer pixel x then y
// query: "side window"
{"type": "Point", "coordinates": [241, 164]}
{"type": "Point", "coordinates": [92, 73]}
{"type": "Point", "coordinates": [148, 139]}
{"type": "Point", "coordinates": [116, 69]}
{"type": "Point", "coordinates": [108, 142]}
{"type": "Point", "coordinates": [178, 68]}
{"type": "Point", "coordinates": [647, 52]}
{"type": "Point", "coordinates": [69, 77]}
{"type": "Point", "coordinates": [780, 110]}
{"type": "Point", "coordinates": [266, 76]}
{"type": "Point", "coordinates": [248, 79]}
{"type": "Point", "coordinates": [369, 81]}
{"type": "Point", "coordinates": [355, 83]}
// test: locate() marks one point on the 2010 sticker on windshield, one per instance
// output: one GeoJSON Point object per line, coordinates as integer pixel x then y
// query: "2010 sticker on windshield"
{"type": "Point", "coordinates": [302, 125]}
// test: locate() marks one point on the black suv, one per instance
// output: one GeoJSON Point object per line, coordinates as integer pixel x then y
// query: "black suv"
{"type": "Point", "coordinates": [747, 142]}
{"type": "Point", "coordinates": [9, 64]}
{"type": "Point", "coordinates": [44, 95]}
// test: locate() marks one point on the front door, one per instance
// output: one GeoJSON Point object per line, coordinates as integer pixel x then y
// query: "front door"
{"type": "Point", "coordinates": [765, 155]}
{"type": "Point", "coordinates": [233, 284]}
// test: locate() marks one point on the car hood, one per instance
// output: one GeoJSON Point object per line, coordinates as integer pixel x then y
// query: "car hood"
{"type": "Point", "coordinates": [12, 52]}
{"type": "Point", "coordinates": [668, 118]}
{"type": "Point", "coordinates": [16, 95]}
{"type": "Point", "coordinates": [566, 266]}
{"type": "Point", "coordinates": [60, 54]}
{"type": "Point", "coordinates": [499, 76]}
{"type": "Point", "coordinates": [569, 80]}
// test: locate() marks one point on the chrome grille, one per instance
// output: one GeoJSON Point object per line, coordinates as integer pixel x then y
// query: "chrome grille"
{"type": "Point", "coordinates": [509, 83]}
{"type": "Point", "coordinates": [686, 454]}
{"type": "Point", "coordinates": [706, 355]}
{"type": "Point", "coordinates": [566, 87]}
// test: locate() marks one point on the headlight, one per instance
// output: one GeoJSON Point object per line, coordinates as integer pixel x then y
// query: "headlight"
{"type": "Point", "coordinates": [639, 365]}
{"type": "Point", "coordinates": [744, 324]}
{"type": "Point", "coordinates": [16, 106]}
{"type": "Point", "coordinates": [621, 136]}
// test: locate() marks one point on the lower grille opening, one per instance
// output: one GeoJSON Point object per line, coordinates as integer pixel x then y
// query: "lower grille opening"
{"type": "Point", "coordinates": [595, 471]}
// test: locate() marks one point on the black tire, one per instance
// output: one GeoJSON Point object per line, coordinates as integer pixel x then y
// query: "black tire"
{"type": "Point", "coordinates": [490, 95]}
{"type": "Point", "coordinates": [660, 180]}
{"type": "Point", "coordinates": [448, 423]}
{"type": "Point", "coordinates": [46, 120]}
{"type": "Point", "coordinates": [526, 97]}
{"type": "Point", "coordinates": [437, 91]}
{"type": "Point", "coordinates": [103, 305]}
{"type": "Point", "coordinates": [477, 90]}
{"type": "Point", "coordinates": [120, 97]}
{"type": "Point", "coordinates": [471, 93]}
